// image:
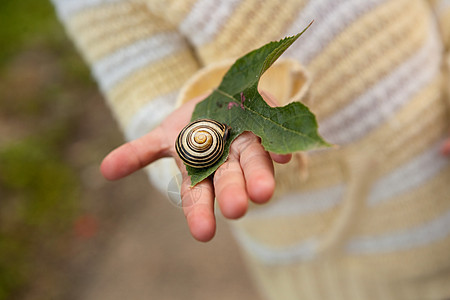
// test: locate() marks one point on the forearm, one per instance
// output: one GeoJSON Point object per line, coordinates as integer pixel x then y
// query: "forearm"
{"type": "Point", "coordinates": [139, 60]}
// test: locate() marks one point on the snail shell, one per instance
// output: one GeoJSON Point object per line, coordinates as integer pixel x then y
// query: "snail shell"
{"type": "Point", "coordinates": [201, 143]}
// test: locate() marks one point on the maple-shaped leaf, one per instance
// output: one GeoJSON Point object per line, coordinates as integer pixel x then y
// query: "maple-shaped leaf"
{"type": "Point", "coordinates": [237, 103]}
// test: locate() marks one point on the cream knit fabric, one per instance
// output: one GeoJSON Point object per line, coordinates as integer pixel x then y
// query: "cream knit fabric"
{"type": "Point", "coordinates": [369, 219]}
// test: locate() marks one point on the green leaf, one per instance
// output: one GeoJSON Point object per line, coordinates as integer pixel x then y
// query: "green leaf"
{"type": "Point", "coordinates": [237, 103]}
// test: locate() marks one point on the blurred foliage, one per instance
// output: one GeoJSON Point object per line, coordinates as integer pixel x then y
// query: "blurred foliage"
{"type": "Point", "coordinates": [39, 204]}
{"type": "Point", "coordinates": [22, 20]}
{"type": "Point", "coordinates": [39, 188]}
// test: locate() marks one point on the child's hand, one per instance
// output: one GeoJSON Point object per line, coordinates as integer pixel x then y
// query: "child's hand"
{"type": "Point", "coordinates": [247, 174]}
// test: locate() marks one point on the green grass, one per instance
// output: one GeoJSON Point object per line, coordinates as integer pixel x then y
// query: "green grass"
{"type": "Point", "coordinates": [39, 187]}
{"type": "Point", "coordinates": [40, 202]}
{"type": "Point", "coordinates": [22, 21]}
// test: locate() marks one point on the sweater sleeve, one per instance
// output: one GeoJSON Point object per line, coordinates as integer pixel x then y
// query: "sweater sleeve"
{"type": "Point", "coordinates": [441, 10]}
{"type": "Point", "coordinates": [139, 60]}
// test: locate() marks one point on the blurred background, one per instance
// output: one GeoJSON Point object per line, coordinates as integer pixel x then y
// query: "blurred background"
{"type": "Point", "coordinates": [65, 232]}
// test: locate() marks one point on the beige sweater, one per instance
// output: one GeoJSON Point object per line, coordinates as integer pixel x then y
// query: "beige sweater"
{"type": "Point", "coordinates": [367, 220]}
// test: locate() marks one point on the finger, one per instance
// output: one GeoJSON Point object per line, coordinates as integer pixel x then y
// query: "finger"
{"type": "Point", "coordinates": [281, 158]}
{"type": "Point", "coordinates": [229, 184]}
{"type": "Point", "coordinates": [258, 169]}
{"type": "Point", "coordinates": [134, 155]}
{"type": "Point", "coordinates": [446, 148]}
{"type": "Point", "coordinates": [269, 98]}
{"type": "Point", "coordinates": [198, 206]}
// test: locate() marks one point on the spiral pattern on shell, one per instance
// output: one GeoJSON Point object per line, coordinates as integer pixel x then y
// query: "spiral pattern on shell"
{"type": "Point", "coordinates": [201, 143]}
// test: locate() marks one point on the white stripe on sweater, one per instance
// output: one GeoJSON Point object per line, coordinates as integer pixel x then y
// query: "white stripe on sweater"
{"type": "Point", "coordinates": [67, 8]}
{"type": "Point", "coordinates": [115, 67]}
{"type": "Point", "coordinates": [413, 173]}
{"type": "Point", "coordinates": [331, 18]}
{"type": "Point", "coordinates": [277, 255]}
{"type": "Point", "coordinates": [422, 235]}
{"type": "Point", "coordinates": [150, 115]}
{"type": "Point", "coordinates": [206, 18]}
{"type": "Point", "coordinates": [388, 95]}
{"type": "Point", "coordinates": [441, 7]}
{"type": "Point", "coordinates": [301, 203]}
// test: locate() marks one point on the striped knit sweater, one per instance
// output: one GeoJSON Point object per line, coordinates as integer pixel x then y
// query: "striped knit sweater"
{"type": "Point", "coordinates": [367, 220]}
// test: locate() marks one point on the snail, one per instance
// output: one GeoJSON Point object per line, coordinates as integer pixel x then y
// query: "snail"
{"type": "Point", "coordinates": [201, 143]}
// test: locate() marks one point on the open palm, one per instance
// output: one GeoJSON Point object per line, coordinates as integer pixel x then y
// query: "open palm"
{"type": "Point", "coordinates": [247, 174]}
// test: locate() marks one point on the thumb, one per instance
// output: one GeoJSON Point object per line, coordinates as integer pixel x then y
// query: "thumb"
{"type": "Point", "coordinates": [446, 147]}
{"type": "Point", "coordinates": [269, 98]}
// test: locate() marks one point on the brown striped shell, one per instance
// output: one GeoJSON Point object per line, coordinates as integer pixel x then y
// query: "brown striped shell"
{"type": "Point", "coordinates": [201, 143]}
